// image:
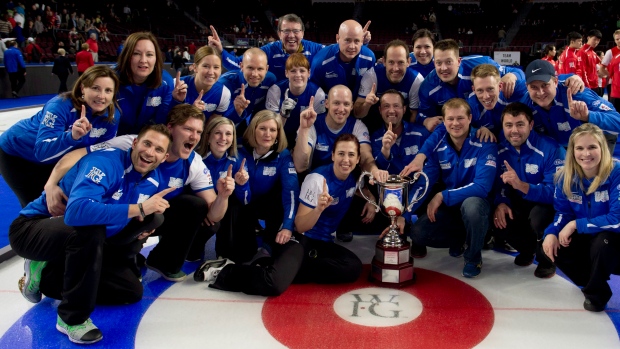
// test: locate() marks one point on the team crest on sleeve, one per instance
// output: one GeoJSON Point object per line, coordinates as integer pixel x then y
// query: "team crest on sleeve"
{"type": "Point", "coordinates": [491, 163]}
{"type": "Point", "coordinates": [531, 168]}
{"type": "Point", "coordinates": [175, 182]}
{"type": "Point", "coordinates": [604, 107]}
{"type": "Point", "coordinates": [97, 132]}
{"type": "Point", "coordinates": [153, 101]}
{"type": "Point", "coordinates": [49, 120]}
{"type": "Point", "coordinates": [95, 175]}
{"type": "Point", "coordinates": [142, 198]}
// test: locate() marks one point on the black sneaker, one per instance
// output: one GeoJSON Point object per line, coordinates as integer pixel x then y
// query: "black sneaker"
{"type": "Point", "coordinates": [592, 306]}
{"type": "Point", "coordinates": [15, 95]}
{"type": "Point", "coordinates": [418, 251]}
{"type": "Point", "coordinates": [524, 259]}
{"type": "Point", "coordinates": [544, 272]}
{"type": "Point", "coordinates": [344, 237]}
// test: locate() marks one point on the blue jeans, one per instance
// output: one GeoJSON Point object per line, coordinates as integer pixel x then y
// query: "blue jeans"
{"type": "Point", "coordinates": [465, 223]}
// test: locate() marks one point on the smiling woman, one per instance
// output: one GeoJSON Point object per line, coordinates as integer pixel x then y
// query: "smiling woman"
{"type": "Point", "coordinates": [85, 116]}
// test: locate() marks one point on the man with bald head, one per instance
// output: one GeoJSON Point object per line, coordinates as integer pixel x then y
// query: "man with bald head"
{"type": "Point", "coordinates": [248, 86]}
{"type": "Point", "coordinates": [316, 137]}
{"type": "Point", "coordinates": [345, 62]}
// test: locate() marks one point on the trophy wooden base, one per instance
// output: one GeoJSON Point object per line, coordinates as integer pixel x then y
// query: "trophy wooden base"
{"type": "Point", "coordinates": [392, 266]}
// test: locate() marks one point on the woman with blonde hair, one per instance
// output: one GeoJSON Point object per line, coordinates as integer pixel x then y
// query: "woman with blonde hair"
{"type": "Point", "coordinates": [583, 239]}
{"type": "Point", "coordinates": [218, 148]}
{"type": "Point", "coordinates": [202, 89]}
{"type": "Point", "coordinates": [62, 68]}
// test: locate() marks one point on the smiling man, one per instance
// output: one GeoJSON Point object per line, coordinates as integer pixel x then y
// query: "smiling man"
{"type": "Point", "coordinates": [396, 74]}
{"type": "Point", "coordinates": [524, 193]}
{"type": "Point", "coordinates": [457, 215]}
{"type": "Point", "coordinates": [345, 62]}
{"type": "Point", "coordinates": [81, 257]}
{"type": "Point", "coordinates": [183, 168]}
{"type": "Point", "coordinates": [557, 111]}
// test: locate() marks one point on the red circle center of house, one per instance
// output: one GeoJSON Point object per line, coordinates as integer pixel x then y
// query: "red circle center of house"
{"type": "Point", "coordinates": [455, 315]}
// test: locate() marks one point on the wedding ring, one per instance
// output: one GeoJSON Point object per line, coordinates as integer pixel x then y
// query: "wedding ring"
{"type": "Point", "coordinates": [78, 124]}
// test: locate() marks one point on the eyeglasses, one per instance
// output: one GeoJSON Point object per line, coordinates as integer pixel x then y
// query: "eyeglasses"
{"type": "Point", "coordinates": [288, 31]}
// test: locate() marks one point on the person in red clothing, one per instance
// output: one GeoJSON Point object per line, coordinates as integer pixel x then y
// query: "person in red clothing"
{"type": "Point", "coordinates": [589, 59]}
{"type": "Point", "coordinates": [94, 46]}
{"type": "Point", "coordinates": [84, 59]}
{"type": "Point", "coordinates": [548, 54]}
{"type": "Point", "coordinates": [33, 51]}
{"type": "Point", "coordinates": [609, 56]}
{"type": "Point", "coordinates": [614, 75]}
{"type": "Point", "coordinates": [569, 60]}
{"type": "Point", "coordinates": [191, 49]}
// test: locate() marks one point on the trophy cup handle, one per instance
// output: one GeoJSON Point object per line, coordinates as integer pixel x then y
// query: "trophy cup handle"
{"type": "Point", "coordinates": [417, 197]}
{"type": "Point", "coordinates": [360, 185]}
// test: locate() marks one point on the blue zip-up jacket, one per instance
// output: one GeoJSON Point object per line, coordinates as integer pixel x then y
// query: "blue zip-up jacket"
{"type": "Point", "coordinates": [599, 211]}
{"type": "Point", "coordinates": [46, 136]}
{"type": "Point", "coordinates": [141, 105]}
{"type": "Point", "coordinates": [341, 191]}
{"type": "Point", "coordinates": [269, 169]}
{"type": "Point", "coordinates": [325, 138]}
{"type": "Point", "coordinates": [470, 173]}
{"type": "Point", "coordinates": [328, 70]}
{"type": "Point", "coordinates": [100, 187]}
{"type": "Point", "coordinates": [408, 86]}
{"type": "Point", "coordinates": [13, 60]}
{"type": "Point", "coordinates": [557, 122]}
{"type": "Point", "coordinates": [402, 152]}
{"type": "Point", "coordinates": [190, 172]}
{"type": "Point", "coordinates": [434, 92]}
{"type": "Point", "coordinates": [536, 164]}
{"type": "Point", "coordinates": [275, 97]}
{"type": "Point", "coordinates": [219, 169]}
{"type": "Point", "coordinates": [217, 99]}
{"type": "Point", "coordinates": [256, 95]}
{"type": "Point", "coordinates": [276, 57]}
{"type": "Point", "coordinates": [423, 69]}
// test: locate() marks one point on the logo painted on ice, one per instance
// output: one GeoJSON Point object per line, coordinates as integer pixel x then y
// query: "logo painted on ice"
{"type": "Point", "coordinates": [378, 307]}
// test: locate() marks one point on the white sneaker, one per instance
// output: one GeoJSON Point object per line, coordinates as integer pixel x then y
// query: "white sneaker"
{"type": "Point", "coordinates": [209, 270]}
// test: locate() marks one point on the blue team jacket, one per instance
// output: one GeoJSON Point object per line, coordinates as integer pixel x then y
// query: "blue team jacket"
{"type": "Point", "coordinates": [256, 95]}
{"type": "Point", "coordinates": [411, 140]}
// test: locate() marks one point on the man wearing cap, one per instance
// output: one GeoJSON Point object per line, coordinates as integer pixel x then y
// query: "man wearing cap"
{"type": "Point", "coordinates": [31, 55]}
{"type": "Point", "coordinates": [557, 111]}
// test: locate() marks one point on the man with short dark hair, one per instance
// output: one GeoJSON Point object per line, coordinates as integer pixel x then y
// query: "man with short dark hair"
{"type": "Point", "coordinates": [15, 66]}
{"type": "Point", "coordinates": [589, 59]}
{"type": "Point", "coordinates": [524, 192]}
{"type": "Point", "coordinates": [569, 61]}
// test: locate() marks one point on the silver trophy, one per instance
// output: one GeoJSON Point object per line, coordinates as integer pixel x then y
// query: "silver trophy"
{"type": "Point", "coordinates": [392, 265]}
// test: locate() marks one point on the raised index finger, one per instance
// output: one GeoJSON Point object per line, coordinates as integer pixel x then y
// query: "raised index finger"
{"type": "Point", "coordinates": [325, 190]}
{"type": "Point", "coordinates": [177, 79]}
{"type": "Point", "coordinates": [214, 33]}
{"type": "Point", "coordinates": [202, 92]}
{"type": "Point", "coordinates": [366, 26]}
{"type": "Point", "coordinates": [311, 106]}
{"type": "Point", "coordinates": [83, 115]}
{"type": "Point", "coordinates": [165, 191]}
{"type": "Point", "coordinates": [242, 165]}
{"type": "Point", "coordinates": [374, 88]}
{"type": "Point", "coordinates": [508, 166]}
{"type": "Point", "coordinates": [229, 174]}
{"type": "Point", "coordinates": [390, 127]}
{"type": "Point", "coordinates": [242, 93]}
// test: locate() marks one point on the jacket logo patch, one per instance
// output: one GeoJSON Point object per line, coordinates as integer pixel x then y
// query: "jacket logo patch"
{"type": "Point", "coordinates": [601, 196]}
{"type": "Point", "coordinates": [470, 162]}
{"type": "Point", "coordinates": [210, 107]}
{"type": "Point", "coordinates": [350, 192]}
{"type": "Point", "coordinates": [412, 150]}
{"type": "Point", "coordinates": [95, 174]}
{"type": "Point", "coordinates": [49, 120]}
{"type": "Point", "coordinates": [153, 101]}
{"type": "Point", "coordinates": [117, 195]}
{"type": "Point", "coordinates": [269, 171]}
{"type": "Point", "coordinates": [575, 198]}
{"type": "Point", "coordinates": [98, 132]}
{"type": "Point", "coordinates": [142, 198]}
{"type": "Point", "coordinates": [175, 182]}
{"type": "Point", "coordinates": [564, 126]}
{"type": "Point", "coordinates": [531, 168]}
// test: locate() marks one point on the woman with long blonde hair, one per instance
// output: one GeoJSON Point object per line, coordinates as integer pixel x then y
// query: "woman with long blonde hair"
{"type": "Point", "coordinates": [583, 240]}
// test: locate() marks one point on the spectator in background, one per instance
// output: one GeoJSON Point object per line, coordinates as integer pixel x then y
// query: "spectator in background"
{"type": "Point", "coordinates": [548, 54]}
{"type": "Point", "coordinates": [81, 22]}
{"type": "Point", "coordinates": [15, 66]}
{"type": "Point", "coordinates": [103, 32]}
{"type": "Point", "coordinates": [191, 49]}
{"type": "Point", "coordinates": [94, 46]}
{"type": "Point", "coordinates": [62, 68]}
{"type": "Point", "coordinates": [84, 59]}
{"type": "Point", "coordinates": [33, 51]}
{"type": "Point", "coordinates": [5, 26]}
{"type": "Point", "coordinates": [18, 33]}
{"type": "Point", "coordinates": [177, 62]}
{"type": "Point", "coordinates": [38, 26]}
{"type": "Point", "coordinates": [589, 59]}
{"type": "Point", "coordinates": [186, 56]}
{"type": "Point", "coordinates": [568, 60]}
{"type": "Point", "coordinates": [2, 49]}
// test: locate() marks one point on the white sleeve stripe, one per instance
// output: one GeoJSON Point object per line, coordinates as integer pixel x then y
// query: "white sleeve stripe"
{"type": "Point", "coordinates": [57, 154]}
{"type": "Point", "coordinates": [292, 210]}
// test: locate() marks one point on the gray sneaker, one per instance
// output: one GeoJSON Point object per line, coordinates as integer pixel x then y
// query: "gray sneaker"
{"type": "Point", "coordinates": [29, 283]}
{"type": "Point", "coordinates": [84, 333]}
{"type": "Point", "coordinates": [209, 270]}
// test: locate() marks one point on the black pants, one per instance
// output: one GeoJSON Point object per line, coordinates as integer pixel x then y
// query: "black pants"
{"type": "Point", "coordinates": [83, 269]}
{"type": "Point", "coordinates": [588, 261]}
{"type": "Point", "coordinates": [241, 245]}
{"type": "Point", "coordinates": [26, 179]}
{"type": "Point", "coordinates": [302, 260]}
{"type": "Point", "coordinates": [63, 82]}
{"type": "Point", "coordinates": [527, 227]}
{"type": "Point", "coordinates": [182, 220]}
{"type": "Point", "coordinates": [18, 79]}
